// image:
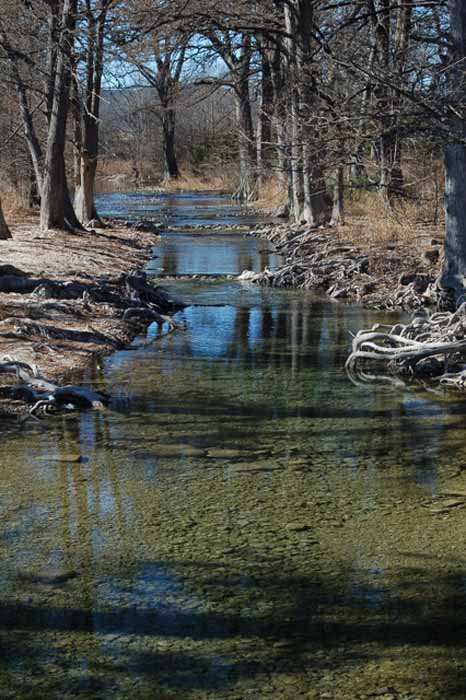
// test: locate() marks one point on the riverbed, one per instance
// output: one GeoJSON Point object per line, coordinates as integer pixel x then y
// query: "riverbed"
{"type": "Point", "coordinates": [242, 522]}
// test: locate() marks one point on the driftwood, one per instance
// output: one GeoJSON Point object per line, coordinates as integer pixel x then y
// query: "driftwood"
{"type": "Point", "coordinates": [429, 348]}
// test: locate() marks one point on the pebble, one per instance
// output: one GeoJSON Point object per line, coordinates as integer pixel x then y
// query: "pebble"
{"type": "Point", "coordinates": [297, 527]}
{"type": "Point", "coordinates": [72, 457]}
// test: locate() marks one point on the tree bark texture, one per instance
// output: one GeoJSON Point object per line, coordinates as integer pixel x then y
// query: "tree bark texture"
{"type": "Point", "coordinates": [247, 189]}
{"type": "Point", "coordinates": [88, 130]}
{"type": "Point", "coordinates": [265, 119]}
{"type": "Point", "coordinates": [54, 186]}
{"type": "Point", "coordinates": [454, 267]}
{"type": "Point", "coordinates": [169, 130]}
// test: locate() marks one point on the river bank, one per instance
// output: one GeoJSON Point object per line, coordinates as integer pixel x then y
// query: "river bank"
{"type": "Point", "coordinates": [345, 264]}
{"type": "Point", "coordinates": [65, 299]}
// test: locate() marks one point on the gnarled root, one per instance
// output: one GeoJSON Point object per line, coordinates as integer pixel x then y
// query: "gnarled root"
{"type": "Point", "coordinates": [45, 396]}
{"type": "Point", "coordinates": [428, 347]}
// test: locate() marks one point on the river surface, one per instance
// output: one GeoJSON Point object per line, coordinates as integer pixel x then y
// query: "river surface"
{"type": "Point", "coordinates": [243, 522]}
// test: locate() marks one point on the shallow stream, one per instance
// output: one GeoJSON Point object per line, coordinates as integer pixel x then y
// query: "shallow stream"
{"type": "Point", "coordinates": [243, 522]}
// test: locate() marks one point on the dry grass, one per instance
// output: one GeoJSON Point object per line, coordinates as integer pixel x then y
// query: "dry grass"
{"type": "Point", "coordinates": [213, 179]}
{"type": "Point", "coordinates": [109, 167]}
{"type": "Point", "coordinates": [271, 196]}
{"type": "Point", "coordinates": [117, 175]}
{"type": "Point", "coordinates": [408, 223]}
{"type": "Point", "coordinates": [120, 173]}
{"type": "Point", "coordinates": [370, 223]}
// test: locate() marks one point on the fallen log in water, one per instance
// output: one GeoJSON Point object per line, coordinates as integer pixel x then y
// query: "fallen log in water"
{"type": "Point", "coordinates": [428, 347]}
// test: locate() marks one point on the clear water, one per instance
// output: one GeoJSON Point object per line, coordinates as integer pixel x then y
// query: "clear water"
{"type": "Point", "coordinates": [243, 522]}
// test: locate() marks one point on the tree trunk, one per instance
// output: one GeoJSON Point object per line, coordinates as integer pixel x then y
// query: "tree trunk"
{"type": "Point", "coordinates": [454, 266]}
{"type": "Point", "coordinates": [87, 130]}
{"type": "Point", "coordinates": [247, 186]}
{"type": "Point", "coordinates": [5, 232]}
{"type": "Point", "coordinates": [392, 180]}
{"type": "Point", "coordinates": [296, 184]}
{"type": "Point", "coordinates": [169, 129]}
{"type": "Point", "coordinates": [247, 189]}
{"type": "Point", "coordinates": [264, 122]}
{"type": "Point", "coordinates": [310, 204]}
{"type": "Point", "coordinates": [54, 186]}
{"type": "Point", "coordinates": [35, 150]}
{"type": "Point", "coordinates": [277, 64]}
{"type": "Point", "coordinates": [338, 212]}
{"type": "Point", "coordinates": [84, 197]}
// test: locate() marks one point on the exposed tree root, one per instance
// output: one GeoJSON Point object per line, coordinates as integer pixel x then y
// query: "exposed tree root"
{"type": "Point", "coordinates": [319, 260]}
{"type": "Point", "coordinates": [45, 396]}
{"type": "Point", "coordinates": [44, 311]}
{"type": "Point", "coordinates": [428, 348]}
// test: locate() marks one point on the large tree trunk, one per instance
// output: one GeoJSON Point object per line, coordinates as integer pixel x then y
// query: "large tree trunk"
{"type": "Point", "coordinates": [277, 63]}
{"type": "Point", "coordinates": [84, 199]}
{"type": "Point", "coordinates": [247, 189]}
{"type": "Point", "coordinates": [296, 184]}
{"type": "Point", "coordinates": [310, 203]}
{"type": "Point", "coordinates": [84, 196]}
{"type": "Point", "coordinates": [265, 118]}
{"type": "Point", "coordinates": [390, 57]}
{"type": "Point", "coordinates": [5, 232]}
{"type": "Point", "coordinates": [392, 143]}
{"type": "Point", "coordinates": [454, 267]}
{"type": "Point", "coordinates": [87, 130]}
{"type": "Point", "coordinates": [54, 186]}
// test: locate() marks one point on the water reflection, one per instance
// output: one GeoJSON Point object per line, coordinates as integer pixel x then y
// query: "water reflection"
{"type": "Point", "coordinates": [201, 254]}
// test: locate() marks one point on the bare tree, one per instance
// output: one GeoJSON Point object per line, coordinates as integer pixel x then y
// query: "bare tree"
{"type": "Point", "coordinates": [55, 28]}
{"type": "Point", "coordinates": [161, 64]}
{"type": "Point", "coordinates": [236, 51]}
{"type": "Point", "coordinates": [87, 99]}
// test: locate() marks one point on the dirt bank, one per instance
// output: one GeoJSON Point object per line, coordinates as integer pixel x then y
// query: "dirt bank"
{"type": "Point", "coordinates": [65, 300]}
{"type": "Point", "coordinates": [345, 264]}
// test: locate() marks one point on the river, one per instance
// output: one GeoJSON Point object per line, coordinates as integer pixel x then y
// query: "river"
{"type": "Point", "coordinates": [243, 522]}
